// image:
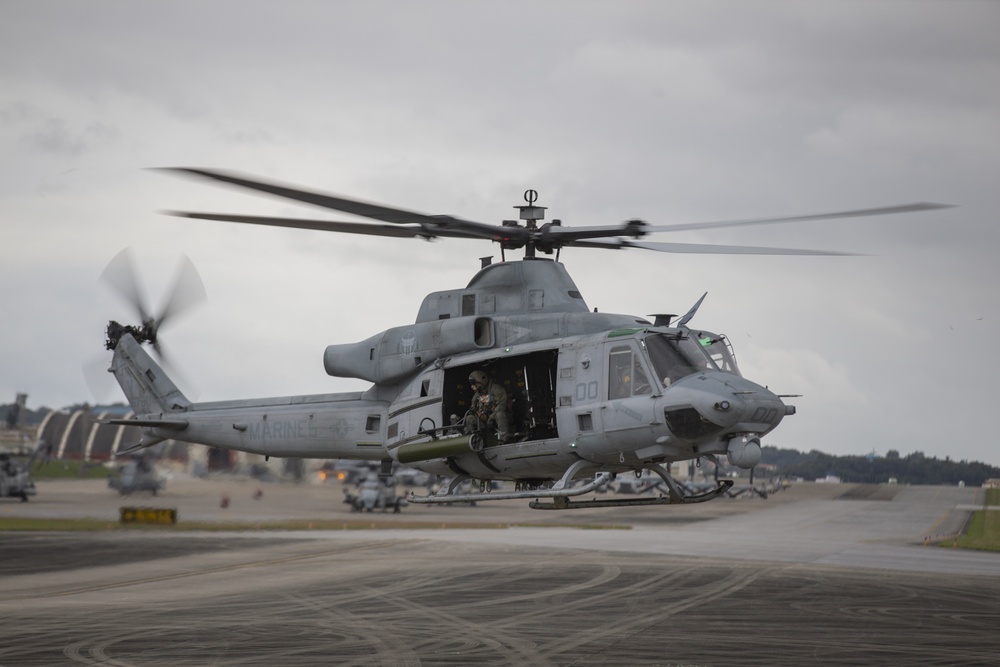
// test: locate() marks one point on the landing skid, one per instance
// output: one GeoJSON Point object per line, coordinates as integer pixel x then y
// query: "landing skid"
{"type": "Point", "coordinates": [567, 504]}
{"type": "Point", "coordinates": [560, 492]}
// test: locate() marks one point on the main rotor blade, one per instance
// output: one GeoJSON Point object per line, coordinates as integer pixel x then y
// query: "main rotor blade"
{"type": "Point", "coordinates": [120, 274]}
{"type": "Point", "coordinates": [364, 209]}
{"type": "Point", "coordinates": [705, 248]}
{"type": "Point", "coordinates": [709, 249]}
{"type": "Point", "coordinates": [456, 226]}
{"type": "Point", "coordinates": [324, 225]}
{"type": "Point", "coordinates": [379, 212]}
{"type": "Point", "coordinates": [567, 235]}
{"type": "Point", "coordinates": [859, 213]}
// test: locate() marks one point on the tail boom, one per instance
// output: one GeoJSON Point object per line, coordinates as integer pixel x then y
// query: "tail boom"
{"type": "Point", "coordinates": [347, 425]}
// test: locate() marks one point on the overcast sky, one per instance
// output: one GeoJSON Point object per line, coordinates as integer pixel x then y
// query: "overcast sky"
{"type": "Point", "coordinates": [668, 112]}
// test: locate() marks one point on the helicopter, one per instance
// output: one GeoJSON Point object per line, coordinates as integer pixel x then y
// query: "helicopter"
{"type": "Point", "coordinates": [135, 475]}
{"type": "Point", "coordinates": [579, 396]}
{"type": "Point", "coordinates": [15, 479]}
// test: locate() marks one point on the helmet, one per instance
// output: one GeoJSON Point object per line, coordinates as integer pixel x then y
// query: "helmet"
{"type": "Point", "coordinates": [479, 378]}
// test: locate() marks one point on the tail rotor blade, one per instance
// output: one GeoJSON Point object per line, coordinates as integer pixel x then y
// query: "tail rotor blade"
{"type": "Point", "coordinates": [188, 291]}
{"type": "Point", "coordinates": [121, 276]}
{"type": "Point", "coordinates": [100, 382]}
{"type": "Point", "coordinates": [171, 367]}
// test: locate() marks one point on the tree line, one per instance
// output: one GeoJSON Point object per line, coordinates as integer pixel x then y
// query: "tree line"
{"type": "Point", "coordinates": [915, 468]}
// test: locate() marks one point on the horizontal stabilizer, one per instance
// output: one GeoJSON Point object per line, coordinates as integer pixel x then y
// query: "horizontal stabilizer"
{"type": "Point", "coordinates": [171, 424]}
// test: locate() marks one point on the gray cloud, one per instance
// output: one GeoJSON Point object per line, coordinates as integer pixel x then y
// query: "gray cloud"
{"type": "Point", "coordinates": [671, 112]}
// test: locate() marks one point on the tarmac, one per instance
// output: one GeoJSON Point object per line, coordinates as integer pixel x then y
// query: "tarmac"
{"type": "Point", "coordinates": [816, 574]}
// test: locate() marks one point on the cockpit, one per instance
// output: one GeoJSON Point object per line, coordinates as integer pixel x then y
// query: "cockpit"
{"type": "Point", "coordinates": [679, 354]}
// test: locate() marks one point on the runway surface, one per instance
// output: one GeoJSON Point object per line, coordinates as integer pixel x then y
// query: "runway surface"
{"type": "Point", "coordinates": [803, 579]}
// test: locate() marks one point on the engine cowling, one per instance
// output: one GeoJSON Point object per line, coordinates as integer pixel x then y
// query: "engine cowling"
{"type": "Point", "coordinates": [396, 353]}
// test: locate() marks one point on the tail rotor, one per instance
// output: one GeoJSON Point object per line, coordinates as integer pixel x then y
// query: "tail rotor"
{"type": "Point", "coordinates": [187, 291]}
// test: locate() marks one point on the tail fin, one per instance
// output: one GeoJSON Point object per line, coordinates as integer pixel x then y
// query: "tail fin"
{"type": "Point", "coordinates": [146, 386]}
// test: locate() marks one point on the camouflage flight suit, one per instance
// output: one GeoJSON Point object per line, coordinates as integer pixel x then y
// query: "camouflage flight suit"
{"type": "Point", "coordinates": [489, 406]}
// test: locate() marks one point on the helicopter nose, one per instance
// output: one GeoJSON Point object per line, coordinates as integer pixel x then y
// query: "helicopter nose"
{"type": "Point", "coordinates": [728, 407]}
{"type": "Point", "coordinates": [761, 409]}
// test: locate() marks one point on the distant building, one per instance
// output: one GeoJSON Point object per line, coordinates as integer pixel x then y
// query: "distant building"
{"type": "Point", "coordinates": [78, 436]}
{"type": "Point", "coordinates": [992, 483]}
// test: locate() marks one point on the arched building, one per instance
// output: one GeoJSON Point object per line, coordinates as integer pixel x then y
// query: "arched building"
{"type": "Point", "coordinates": [78, 435]}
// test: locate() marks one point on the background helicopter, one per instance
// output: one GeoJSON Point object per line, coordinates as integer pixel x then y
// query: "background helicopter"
{"type": "Point", "coordinates": [575, 393]}
{"type": "Point", "coordinates": [137, 474]}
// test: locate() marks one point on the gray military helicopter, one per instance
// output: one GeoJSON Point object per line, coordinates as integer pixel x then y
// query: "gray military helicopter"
{"type": "Point", "coordinates": [583, 395]}
{"type": "Point", "coordinates": [136, 475]}
{"type": "Point", "coordinates": [15, 479]}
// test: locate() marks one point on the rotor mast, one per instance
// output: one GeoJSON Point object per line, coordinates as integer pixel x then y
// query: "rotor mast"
{"type": "Point", "coordinates": [531, 214]}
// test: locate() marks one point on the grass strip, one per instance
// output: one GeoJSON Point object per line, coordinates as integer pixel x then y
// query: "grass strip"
{"type": "Point", "coordinates": [983, 533]}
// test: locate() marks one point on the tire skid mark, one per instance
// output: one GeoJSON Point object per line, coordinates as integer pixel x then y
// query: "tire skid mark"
{"type": "Point", "coordinates": [417, 602]}
{"type": "Point", "coordinates": [476, 636]}
{"type": "Point", "coordinates": [391, 646]}
{"type": "Point", "coordinates": [204, 571]}
{"type": "Point", "coordinates": [622, 629]}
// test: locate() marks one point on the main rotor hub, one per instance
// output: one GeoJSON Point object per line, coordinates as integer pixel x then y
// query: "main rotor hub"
{"type": "Point", "coordinates": [531, 213]}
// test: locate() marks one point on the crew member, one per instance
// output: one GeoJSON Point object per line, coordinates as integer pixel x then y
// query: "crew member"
{"type": "Point", "coordinates": [489, 406]}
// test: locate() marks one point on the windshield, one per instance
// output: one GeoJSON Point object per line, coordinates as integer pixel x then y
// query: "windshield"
{"type": "Point", "coordinates": [675, 356]}
{"type": "Point", "coordinates": [718, 349]}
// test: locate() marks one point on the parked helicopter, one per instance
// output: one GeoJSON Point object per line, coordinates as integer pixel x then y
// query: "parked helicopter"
{"type": "Point", "coordinates": [15, 479]}
{"type": "Point", "coordinates": [136, 475]}
{"type": "Point", "coordinates": [583, 395]}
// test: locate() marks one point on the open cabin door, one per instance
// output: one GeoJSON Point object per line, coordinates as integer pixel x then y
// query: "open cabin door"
{"type": "Point", "coordinates": [530, 382]}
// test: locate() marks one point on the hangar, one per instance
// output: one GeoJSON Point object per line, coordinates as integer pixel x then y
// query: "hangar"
{"type": "Point", "coordinates": [78, 435]}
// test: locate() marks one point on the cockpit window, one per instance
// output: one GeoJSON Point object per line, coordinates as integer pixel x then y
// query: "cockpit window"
{"type": "Point", "coordinates": [626, 376]}
{"type": "Point", "coordinates": [719, 351]}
